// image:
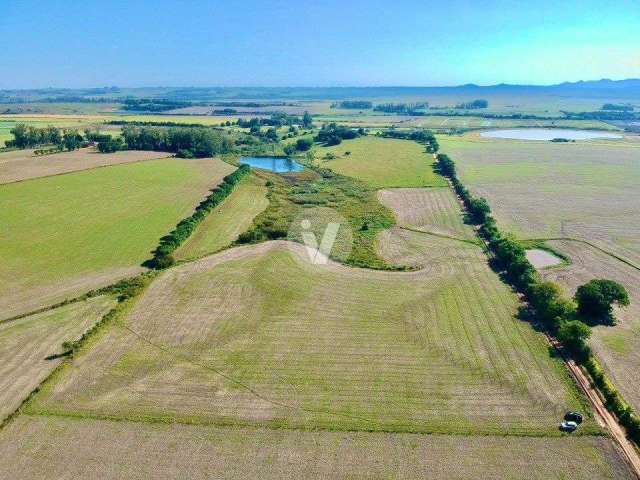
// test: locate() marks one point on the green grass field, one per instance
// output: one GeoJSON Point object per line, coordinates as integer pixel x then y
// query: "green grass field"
{"type": "Point", "coordinates": [68, 233]}
{"type": "Point", "coordinates": [228, 220]}
{"type": "Point", "coordinates": [382, 162]}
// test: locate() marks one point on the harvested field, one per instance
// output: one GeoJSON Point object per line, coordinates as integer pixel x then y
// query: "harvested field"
{"type": "Point", "coordinates": [434, 210]}
{"type": "Point", "coordinates": [586, 190]}
{"type": "Point", "coordinates": [224, 224]}
{"type": "Point", "coordinates": [409, 248]}
{"type": "Point", "coordinates": [23, 164]}
{"type": "Point", "coordinates": [617, 347]}
{"type": "Point", "coordinates": [26, 343]}
{"type": "Point", "coordinates": [66, 234]}
{"type": "Point", "coordinates": [383, 162]}
{"type": "Point", "coordinates": [53, 447]}
{"type": "Point", "coordinates": [257, 335]}
{"type": "Point", "coordinates": [542, 258]}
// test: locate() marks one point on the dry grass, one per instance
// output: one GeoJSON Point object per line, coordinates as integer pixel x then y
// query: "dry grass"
{"type": "Point", "coordinates": [433, 210]}
{"type": "Point", "coordinates": [26, 343]}
{"type": "Point", "coordinates": [23, 164]}
{"type": "Point", "coordinates": [618, 347]}
{"type": "Point", "coordinates": [587, 190]}
{"type": "Point", "coordinates": [49, 447]}
{"type": "Point", "coordinates": [257, 335]}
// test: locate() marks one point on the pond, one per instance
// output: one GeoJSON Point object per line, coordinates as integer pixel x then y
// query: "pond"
{"type": "Point", "coordinates": [542, 258]}
{"type": "Point", "coordinates": [547, 134]}
{"type": "Point", "coordinates": [275, 164]}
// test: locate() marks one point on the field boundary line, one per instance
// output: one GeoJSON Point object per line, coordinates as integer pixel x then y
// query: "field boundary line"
{"type": "Point", "coordinates": [13, 182]}
{"type": "Point", "coordinates": [477, 243]}
{"type": "Point", "coordinates": [586, 242]}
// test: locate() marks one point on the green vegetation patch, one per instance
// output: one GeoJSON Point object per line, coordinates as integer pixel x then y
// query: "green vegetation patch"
{"type": "Point", "coordinates": [382, 162]}
{"type": "Point", "coordinates": [73, 232]}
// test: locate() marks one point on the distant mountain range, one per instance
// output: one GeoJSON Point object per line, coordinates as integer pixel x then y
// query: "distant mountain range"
{"type": "Point", "coordinates": [604, 88]}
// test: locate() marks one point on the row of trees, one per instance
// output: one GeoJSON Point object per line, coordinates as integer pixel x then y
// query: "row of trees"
{"type": "Point", "coordinates": [473, 105]}
{"type": "Point", "coordinates": [353, 104]}
{"type": "Point", "coordinates": [568, 319]}
{"type": "Point", "coordinates": [401, 108]}
{"type": "Point", "coordinates": [421, 136]}
{"type": "Point", "coordinates": [186, 142]}
{"type": "Point", "coordinates": [162, 257]}
{"type": "Point", "coordinates": [277, 120]}
{"type": "Point", "coordinates": [28, 136]}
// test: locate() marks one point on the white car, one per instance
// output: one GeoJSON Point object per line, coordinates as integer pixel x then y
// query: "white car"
{"type": "Point", "coordinates": [568, 426]}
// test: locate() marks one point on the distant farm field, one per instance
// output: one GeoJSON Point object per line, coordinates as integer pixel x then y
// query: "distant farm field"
{"type": "Point", "coordinates": [26, 343]}
{"type": "Point", "coordinates": [53, 447]}
{"type": "Point", "coordinates": [23, 164]}
{"type": "Point", "coordinates": [587, 190]}
{"type": "Point", "coordinates": [65, 234]}
{"type": "Point", "coordinates": [257, 335]}
{"type": "Point", "coordinates": [382, 162]}
{"type": "Point", "coordinates": [227, 221]}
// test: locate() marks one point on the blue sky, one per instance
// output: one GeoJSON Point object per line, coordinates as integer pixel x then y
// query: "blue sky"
{"type": "Point", "coordinates": [315, 43]}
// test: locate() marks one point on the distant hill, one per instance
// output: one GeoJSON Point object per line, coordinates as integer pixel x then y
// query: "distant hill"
{"type": "Point", "coordinates": [629, 88]}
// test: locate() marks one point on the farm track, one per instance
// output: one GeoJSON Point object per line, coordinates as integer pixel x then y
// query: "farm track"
{"type": "Point", "coordinates": [602, 415]}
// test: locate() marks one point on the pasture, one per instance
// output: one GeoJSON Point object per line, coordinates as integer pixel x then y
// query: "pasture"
{"type": "Point", "coordinates": [19, 165]}
{"type": "Point", "coordinates": [258, 335]}
{"type": "Point", "coordinates": [382, 162]}
{"type": "Point", "coordinates": [26, 343]}
{"type": "Point", "coordinates": [66, 234]}
{"type": "Point", "coordinates": [56, 447]}
{"type": "Point", "coordinates": [227, 221]}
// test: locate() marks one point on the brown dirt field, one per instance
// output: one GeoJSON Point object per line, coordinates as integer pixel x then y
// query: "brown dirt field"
{"type": "Point", "coordinates": [617, 347]}
{"type": "Point", "coordinates": [23, 164]}
{"type": "Point", "coordinates": [258, 335]}
{"type": "Point", "coordinates": [25, 344]}
{"type": "Point", "coordinates": [52, 447]}
{"type": "Point", "coordinates": [430, 209]}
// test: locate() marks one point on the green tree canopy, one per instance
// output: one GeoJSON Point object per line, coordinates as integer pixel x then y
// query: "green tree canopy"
{"type": "Point", "coordinates": [596, 298]}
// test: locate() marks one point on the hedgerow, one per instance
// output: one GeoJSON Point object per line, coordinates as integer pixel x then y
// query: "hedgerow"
{"type": "Point", "coordinates": [162, 257]}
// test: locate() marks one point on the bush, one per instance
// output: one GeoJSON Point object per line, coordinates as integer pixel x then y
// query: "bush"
{"type": "Point", "coordinates": [304, 144]}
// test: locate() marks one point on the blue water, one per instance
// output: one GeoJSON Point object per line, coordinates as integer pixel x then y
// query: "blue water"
{"type": "Point", "coordinates": [275, 164]}
{"type": "Point", "coordinates": [547, 134]}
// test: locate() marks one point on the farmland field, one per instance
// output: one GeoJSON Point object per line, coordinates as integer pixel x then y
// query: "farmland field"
{"type": "Point", "coordinates": [26, 343]}
{"type": "Point", "coordinates": [618, 347]}
{"type": "Point", "coordinates": [382, 162]}
{"type": "Point", "coordinates": [257, 335]}
{"type": "Point", "coordinates": [228, 220]}
{"type": "Point", "coordinates": [56, 447]}
{"type": "Point", "coordinates": [587, 190]}
{"type": "Point", "coordinates": [66, 234]}
{"type": "Point", "coordinates": [23, 164]}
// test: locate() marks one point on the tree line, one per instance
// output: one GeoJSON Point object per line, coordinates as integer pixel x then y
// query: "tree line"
{"type": "Point", "coordinates": [568, 319]}
{"type": "Point", "coordinates": [162, 256]}
{"type": "Point", "coordinates": [473, 105]}
{"type": "Point", "coordinates": [333, 134]}
{"type": "Point", "coordinates": [401, 108]}
{"type": "Point", "coordinates": [28, 136]}
{"type": "Point", "coordinates": [353, 104]}
{"type": "Point", "coordinates": [421, 136]}
{"type": "Point", "coordinates": [189, 142]}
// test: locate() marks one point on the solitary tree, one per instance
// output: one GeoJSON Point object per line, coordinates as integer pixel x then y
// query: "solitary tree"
{"type": "Point", "coordinates": [307, 121]}
{"type": "Point", "coordinates": [596, 298]}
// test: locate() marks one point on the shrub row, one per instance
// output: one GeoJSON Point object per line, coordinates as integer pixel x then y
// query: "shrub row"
{"type": "Point", "coordinates": [162, 257]}
{"type": "Point", "coordinates": [546, 299]}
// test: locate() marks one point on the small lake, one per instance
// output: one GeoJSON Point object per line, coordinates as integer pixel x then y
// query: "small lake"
{"type": "Point", "coordinates": [275, 164]}
{"type": "Point", "coordinates": [547, 134]}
